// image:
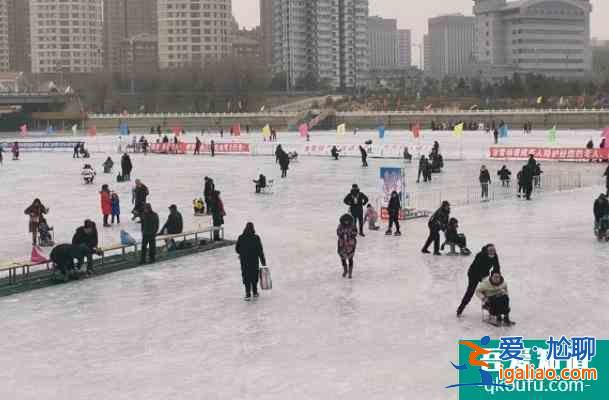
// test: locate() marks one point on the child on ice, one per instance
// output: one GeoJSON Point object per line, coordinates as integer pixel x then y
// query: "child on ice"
{"type": "Point", "coordinates": [116, 208]}
{"type": "Point", "coordinates": [371, 216]}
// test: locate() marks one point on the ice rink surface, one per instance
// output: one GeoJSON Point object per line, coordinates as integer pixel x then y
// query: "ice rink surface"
{"type": "Point", "coordinates": [180, 330]}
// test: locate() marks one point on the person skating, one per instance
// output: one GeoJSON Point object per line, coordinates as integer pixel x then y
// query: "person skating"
{"type": "Point", "coordinates": [347, 243]}
{"type": "Point", "coordinates": [493, 292]}
{"type": "Point", "coordinates": [284, 163]}
{"type": "Point", "coordinates": [438, 222]}
{"type": "Point", "coordinates": [208, 190]}
{"type": "Point", "coordinates": [15, 151]}
{"type": "Point", "coordinates": [108, 165]}
{"type": "Point", "coordinates": [126, 167]}
{"type": "Point", "coordinates": [86, 236]}
{"type": "Point", "coordinates": [116, 207]}
{"type": "Point", "coordinates": [364, 155]}
{"type": "Point", "coordinates": [150, 227]}
{"type": "Point", "coordinates": [496, 135]}
{"type": "Point", "coordinates": [173, 225]}
{"type": "Point", "coordinates": [393, 208]}
{"type": "Point", "coordinates": [88, 174]}
{"type": "Point", "coordinates": [76, 152]}
{"type": "Point", "coordinates": [527, 180]}
{"type": "Point", "coordinates": [519, 178]}
{"type": "Point", "coordinates": [335, 152]}
{"type": "Point", "coordinates": [212, 148]}
{"type": "Point", "coordinates": [197, 146]}
{"type": "Point", "coordinates": [356, 200]}
{"type": "Point", "coordinates": [216, 207]}
{"type": "Point", "coordinates": [140, 194]}
{"type": "Point", "coordinates": [504, 175]}
{"type": "Point", "coordinates": [485, 261]}
{"type": "Point", "coordinates": [251, 255]}
{"type": "Point", "coordinates": [422, 169]}
{"type": "Point", "coordinates": [106, 203]}
{"type": "Point", "coordinates": [371, 217]}
{"type": "Point", "coordinates": [606, 175]}
{"type": "Point", "coordinates": [485, 181]}
{"type": "Point", "coordinates": [407, 155]}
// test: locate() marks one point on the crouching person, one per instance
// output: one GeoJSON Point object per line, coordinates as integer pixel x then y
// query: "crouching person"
{"type": "Point", "coordinates": [493, 292]}
{"type": "Point", "coordinates": [63, 257]}
{"type": "Point", "coordinates": [173, 226]}
{"type": "Point", "coordinates": [86, 236]}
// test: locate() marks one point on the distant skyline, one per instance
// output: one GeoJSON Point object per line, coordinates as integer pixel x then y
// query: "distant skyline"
{"type": "Point", "coordinates": [414, 17]}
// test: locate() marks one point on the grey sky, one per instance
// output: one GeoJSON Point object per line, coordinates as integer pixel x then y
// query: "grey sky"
{"type": "Point", "coordinates": [413, 14]}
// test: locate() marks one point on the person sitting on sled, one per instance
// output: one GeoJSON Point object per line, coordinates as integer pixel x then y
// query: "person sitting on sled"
{"type": "Point", "coordinates": [493, 292]}
{"type": "Point", "coordinates": [453, 236]}
{"type": "Point", "coordinates": [198, 206]}
{"type": "Point", "coordinates": [371, 217]}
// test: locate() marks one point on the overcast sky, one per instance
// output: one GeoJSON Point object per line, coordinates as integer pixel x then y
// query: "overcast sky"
{"type": "Point", "coordinates": [413, 14]}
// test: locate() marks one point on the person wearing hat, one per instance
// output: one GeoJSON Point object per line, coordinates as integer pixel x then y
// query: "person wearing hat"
{"type": "Point", "coordinates": [150, 227]}
{"type": "Point", "coordinates": [356, 201]}
{"type": "Point", "coordinates": [347, 242]}
{"type": "Point", "coordinates": [173, 226]}
{"type": "Point", "coordinates": [438, 222]}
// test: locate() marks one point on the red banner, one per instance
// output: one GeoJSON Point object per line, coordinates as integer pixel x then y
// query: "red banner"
{"type": "Point", "coordinates": [549, 153]}
{"type": "Point", "coordinates": [184, 148]}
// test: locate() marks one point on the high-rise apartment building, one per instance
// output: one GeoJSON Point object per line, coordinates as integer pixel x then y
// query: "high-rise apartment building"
{"type": "Point", "coordinates": [193, 32]}
{"type": "Point", "coordinates": [451, 40]}
{"type": "Point", "coordinates": [19, 35]}
{"type": "Point", "coordinates": [323, 39]}
{"type": "Point", "coordinates": [550, 37]}
{"type": "Point", "coordinates": [66, 36]}
{"type": "Point", "coordinates": [124, 19]}
{"type": "Point", "coordinates": [266, 27]}
{"type": "Point", "coordinates": [405, 47]}
{"type": "Point", "coordinates": [4, 44]}
{"type": "Point", "coordinates": [426, 54]}
{"type": "Point", "coordinates": [384, 47]}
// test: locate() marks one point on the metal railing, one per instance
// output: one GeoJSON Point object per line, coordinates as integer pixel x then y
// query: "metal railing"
{"type": "Point", "coordinates": [471, 194]}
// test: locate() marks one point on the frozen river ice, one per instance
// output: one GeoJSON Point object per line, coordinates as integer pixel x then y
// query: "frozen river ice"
{"type": "Point", "coordinates": [180, 330]}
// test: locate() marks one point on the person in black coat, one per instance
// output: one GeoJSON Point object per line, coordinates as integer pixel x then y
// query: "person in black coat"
{"type": "Point", "coordinates": [393, 209]}
{"type": "Point", "coordinates": [63, 257]}
{"type": "Point", "coordinates": [422, 169]}
{"type": "Point", "coordinates": [606, 175]}
{"type": "Point", "coordinates": [216, 207]}
{"type": "Point", "coordinates": [526, 178]}
{"type": "Point", "coordinates": [126, 167]}
{"type": "Point", "coordinates": [260, 183]}
{"type": "Point", "coordinates": [284, 163]}
{"type": "Point", "coordinates": [364, 154]}
{"type": "Point", "coordinates": [485, 261]}
{"type": "Point", "coordinates": [504, 175]}
{"type": "Point", "coordinates": [150, 227]}
{"type": "Point", "coordinates": [335, 153]}
{"type": "Point", "coordinates": [601, 208]}
{"type": "Point", "coordinates": [212, 148]}
{"type": "Point", "coordinates": [438, 222]}
{"type": "Point", "coordinates": [251, 255]}
{"type": "Point", "coordinates": [278, 151]}
{"type": "Point", "coordinates": [208, 190]}
{"type": "Point", "coordinates": [485, 181]}
{"type": "Point", "coordinates": [140, 194]}
{"type": "Point", "coordinates": [86, 235]}
{"type": "Point", "coordinates": [356, 201]}
{"type": "Point", "coordinates": [173, 225]}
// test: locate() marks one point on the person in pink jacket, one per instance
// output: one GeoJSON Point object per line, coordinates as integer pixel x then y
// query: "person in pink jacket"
{"type": "Point", "coordinates": [106, 203]}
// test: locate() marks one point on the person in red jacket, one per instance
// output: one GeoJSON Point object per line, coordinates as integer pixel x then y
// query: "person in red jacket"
{"type": "Point", "coordinates": [106, 203]}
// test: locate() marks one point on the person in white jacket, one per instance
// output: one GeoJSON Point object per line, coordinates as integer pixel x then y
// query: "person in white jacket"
{"type": "Point", "coordinates": [493, 292]}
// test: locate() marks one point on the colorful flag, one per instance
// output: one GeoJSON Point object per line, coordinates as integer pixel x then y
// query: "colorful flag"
{"type": "Point", "coordinates": [503, 131]}
{"type": "Point", "coordinates": [605, 133]}
{"type": "Point", "coordinates": [552, 135]}
{"type": "Point", "coordinates": [50, 130]}
{"type": "Point", "coordinates": [540, 100]}
{"type": "Point", "coordinates": [124, 128]}
{"type": "Point", "coordinates": [75, 129]}
{"type": "Point", "coordinates": [428, 107]}
{"type": "Point", "coordinates": [23, 129]}
{"type": "Point", "coordinates": [382, 132]}
{"type": "Point", "coordinates": [38, 255]}
{"type": "Point", "coordinates": [341, 129]}
{"type": "Point", "coordinates": [304, 130]}
{"type": "Point", "coordinates": [416, 130]}
{"type": "Point", "coordinates": [458, 130]}
{"type": "Point", "coordinates": [266, 131]}
{"type": "Point", "coordinates": [93, 131]}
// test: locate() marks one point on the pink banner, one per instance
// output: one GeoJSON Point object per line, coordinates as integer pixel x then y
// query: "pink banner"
{"type": "Point", "coordinates": [184, 148]}
{"type": "Point", "coordinates": [549, 153]}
